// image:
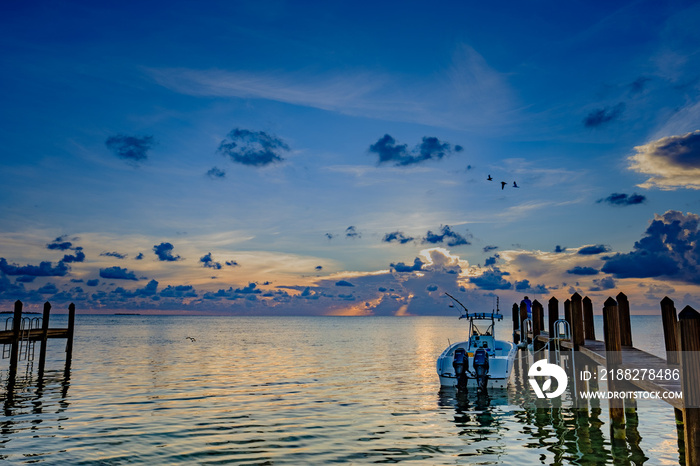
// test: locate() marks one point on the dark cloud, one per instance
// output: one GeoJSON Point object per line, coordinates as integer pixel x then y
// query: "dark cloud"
{"type": "Point", "coordinates": [491, 260]}
{"type": "Point", "coordinates": [492, 280]}
{"type": "Point", "coordinates": [25, 279]}
{"type": "Point", "coordinates": [559, 249]}
{"type": "Point", "coordinates": [133, 149]}
{"type": "Point", "coordinates": [179, 291]}
{"type": "Point", "coordinates": [207, 261]}
{"type": "Point", "coordinates": [44, 269]}
{"type": "Point", "coordinates": [524, 286]}
{"type": "Point", "coordinates": [603, 284]}
{"type": "Point", "coordinates": [330, 236]}
{"type": "Point", "coordinates": [113, 254]}
{"type": "Point", "coordinates": [232, 263]}
{"type": "Point", "coordinates": [604, 115]}
{"type": "Point", "coordinates": [139, 256]}
{"type": "Point", "coordinates": [583, 271]}
{"type": "Point", "coordinates": [397, 236]}
{"type": "Point", "coordinates": [621, 199]}
{"type": "Point", "coordinates": [117, 273]}
{"type": "Point", "coordinates": [490, 248]}
{"type": "Point", "coordinates": [253, 148]}
{"type": "Point", "coordinates": [591, 250]}
{"type": "Point", "coordinates": [308, 293]}
{"type": "Point", "coordinates": [149, 290]}
{"type": "Point", "coordinates": [79, 256]}
{"type": "Point", "coordinates": [401, 267]}
{"type": "Point", "coordinates": [431, 288]}
{"type": "Point", "coordinates": [250, 289]}
{"type": "Point", "coordinates": [164, 251]}
{"type": "Point", "coordinates": [48, 288]}
{"type": "Point", "coordinates": [343, 283]}
{"type": "Point", "coordinates": [351, 232]}
{"type": "Point", "coordinates": [319, 267]}
{"type": "Point", "coordinates": [60, 244]}
{"type": "Point", "coordinates": [447, 236]}
{"type": "Point", "coordinates": [399, 154]}
{"type": "Point", "coordinates": [683, 151]}
{"type": "Point", "coordinates": [216, 173]}
{"type": "Point", "coordinates": [93, 282]}
{"type": "Point", "coordinates": [670, 248]}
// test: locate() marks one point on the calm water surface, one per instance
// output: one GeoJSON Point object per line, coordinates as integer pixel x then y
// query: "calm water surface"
{"type": "Point", "coordinates": [296, 390]}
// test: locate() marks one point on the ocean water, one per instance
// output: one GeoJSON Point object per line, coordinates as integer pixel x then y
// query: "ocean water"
{"type": "Point", "coordinates": [296, 391]}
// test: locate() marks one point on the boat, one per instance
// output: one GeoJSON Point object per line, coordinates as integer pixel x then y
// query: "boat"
{"type": "Point", "coordinates": [481, 362]}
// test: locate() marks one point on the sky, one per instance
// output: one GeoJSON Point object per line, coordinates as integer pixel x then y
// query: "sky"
{"type": "Point", "coordinates": [348, 158]}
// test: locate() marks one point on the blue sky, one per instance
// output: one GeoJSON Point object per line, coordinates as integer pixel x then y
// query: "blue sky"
{"type": "Point", "coordinates": [333, 157]}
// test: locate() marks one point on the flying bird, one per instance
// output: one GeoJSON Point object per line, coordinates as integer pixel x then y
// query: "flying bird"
{"type": "Point", "coordinates": [489, 178]}
{"type": "Point", "coordinates": [190, 338]}
{"type": "Point", "coordinates": [515, 185]}
{"type": "Point", "coordinates": [503, 184]}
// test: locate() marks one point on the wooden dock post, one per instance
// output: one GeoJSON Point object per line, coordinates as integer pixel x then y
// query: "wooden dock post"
{"type": "Point", "coordinates": [588, 325]}
{"type": "Point", "coordinates": [689, 326]}
{"type": "Point", "coordinates": [567, 311]}
{"type": "Point", "coordinates": [516, 324]}
{"type": "Point", "coordinates": [16, 325]}
{"type": "Point", "coordinates": [623, 307]}
{"type": "Point", "coordinates": [613, 348]}
{"type": "Point", "coordinates": [69, 336]}
{"type": "Point", "coordinates": [536, 325]}
{"type": "Point", "coordinates": [523, 315]}
{"type": "Point", "coordinates": [670, 321]}
{"type": "Point", "coordinates": [44, 337]}
{"type": "Point", "coordinates": [553, 309]}
{"type": "Point", "coordinates": [577, 320]}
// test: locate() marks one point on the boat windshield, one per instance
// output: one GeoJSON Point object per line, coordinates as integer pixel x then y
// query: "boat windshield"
{"type": "Point", "coordinates": [479, 331]}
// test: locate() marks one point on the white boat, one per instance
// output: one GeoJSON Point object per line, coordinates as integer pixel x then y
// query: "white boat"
{"type": "Point", "coordinates": [500, 355]}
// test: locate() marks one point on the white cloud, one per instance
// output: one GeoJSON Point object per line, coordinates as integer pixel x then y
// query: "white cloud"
{"type": "Point", "coordinates": [672, 162]}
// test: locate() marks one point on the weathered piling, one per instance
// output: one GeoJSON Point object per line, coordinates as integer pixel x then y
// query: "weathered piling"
{"type": "Point", "coordinates": [516, 324]}
{"type": "Point", "coordinates": [670, 322]}
{"type": "Point", "coordinates": [567, 311]}
{"type": "Point", "coordinates": [523, 315]}
{"type": "Point", "coordinates": [536, 325]}
{"type": "Point", "coordinates": [613, 348]}
{"type": "Point", "coordinates": [689, 326]}
{"type": "Point", "coordinates": [577, 320]}
{"type": "Point", "coordinates": [16, 325]}
{"type": "Point", "coordinates": [69, 336]}
{"type": "Point", "coordinates": [588, 325]}
{"type": "Point", "coordinates": [623, 308]}
{"type": "Point", "coordinates": [553, 314]}
{"type": "Point", "coordinates": [44, 336]}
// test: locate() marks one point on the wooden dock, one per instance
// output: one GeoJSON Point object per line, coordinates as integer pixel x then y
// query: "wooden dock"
{"type": "Point", "coordinates": [24, 332]}
{"type": "Point", "coordinates": [616, 351]}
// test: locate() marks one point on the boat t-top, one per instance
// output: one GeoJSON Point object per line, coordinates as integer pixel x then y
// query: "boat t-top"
{"type": "Point", "coordinates": [482, 362]}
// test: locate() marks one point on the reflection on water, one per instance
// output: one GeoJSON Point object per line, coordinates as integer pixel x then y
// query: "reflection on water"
{"type": "Point", "coordinates": [294, 391]}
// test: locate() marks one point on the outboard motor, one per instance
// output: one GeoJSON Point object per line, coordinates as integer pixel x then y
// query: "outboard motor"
{"type": "Point", "coordinates": [481, 369]}
{"type": "Point", "coordinates": [460, 363]}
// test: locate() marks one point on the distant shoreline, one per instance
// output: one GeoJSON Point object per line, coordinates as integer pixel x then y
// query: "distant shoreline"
{"type": "Point", "coordinates": [127, 314]}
